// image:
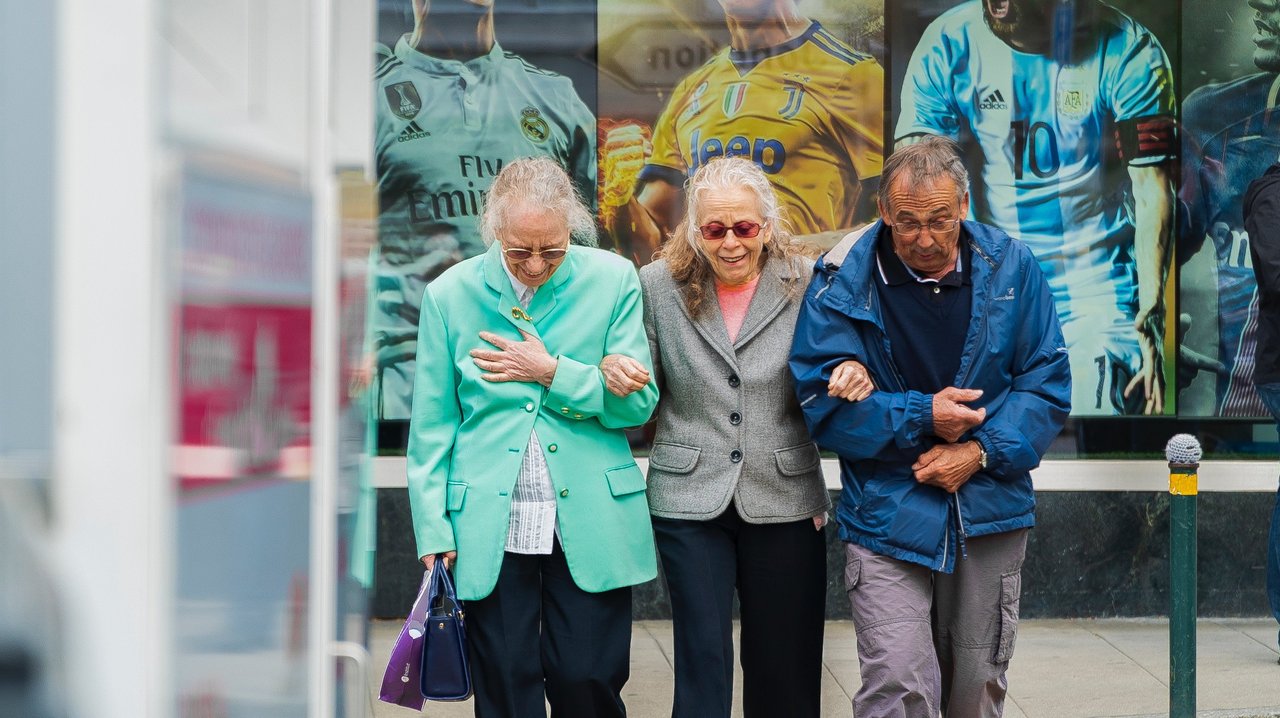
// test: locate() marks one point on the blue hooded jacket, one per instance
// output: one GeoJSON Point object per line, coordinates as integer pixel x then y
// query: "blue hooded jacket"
{"type": "Point", "coordinates": [1013, 352]}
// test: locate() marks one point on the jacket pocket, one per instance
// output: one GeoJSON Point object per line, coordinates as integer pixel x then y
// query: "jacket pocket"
{"type": "Point", "coordinates": [625, 480]}
{"type": "Point", "coordinates": [674, 458]}
{"type": "Point", "coordinates": [797, 460]}
{"type": "Point", "coordinates": [456, 492]}
{"type": "Point", "coordinates": [1010, 594]}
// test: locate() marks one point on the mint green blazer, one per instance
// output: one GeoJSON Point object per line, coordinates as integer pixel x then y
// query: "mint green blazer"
{"type": "Point", "coordinates": [467, 435]}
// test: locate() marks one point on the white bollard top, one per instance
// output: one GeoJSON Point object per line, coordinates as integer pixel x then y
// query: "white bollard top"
{"type": "Point", "coordinates": [1183, 449]}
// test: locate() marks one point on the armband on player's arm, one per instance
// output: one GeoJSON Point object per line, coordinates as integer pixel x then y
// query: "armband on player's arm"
{"type": "Point", "coordinates": [1147, 140]}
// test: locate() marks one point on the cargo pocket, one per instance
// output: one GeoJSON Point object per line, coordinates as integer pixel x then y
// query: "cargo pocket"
{"type": "Point", "coordinates": [625, 480]}
{"type": "Point", "coordinates": [852, 571]}
{"type": "Point", "coordinates": [1010, 592]}
{"type": "Point", "coordinates": [456, 493]}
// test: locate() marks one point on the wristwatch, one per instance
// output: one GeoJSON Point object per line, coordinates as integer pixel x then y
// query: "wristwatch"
{"type": "Point", "coordinates": [982, 455]}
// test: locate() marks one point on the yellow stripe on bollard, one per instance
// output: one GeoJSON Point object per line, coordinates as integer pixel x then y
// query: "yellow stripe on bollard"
{"type": "Point", "coordinates": [1181, 484]}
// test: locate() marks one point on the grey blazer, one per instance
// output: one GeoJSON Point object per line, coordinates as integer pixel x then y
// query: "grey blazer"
{"type": "Point", "coordinates": [729, 425]}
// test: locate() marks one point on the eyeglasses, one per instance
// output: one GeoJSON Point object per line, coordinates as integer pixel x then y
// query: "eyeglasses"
{"type": "Point", "coordinates": [519, 254]}
{"type": "Point", "coordinates": [937, 226]}
{"type": "Point", "coordinates": [742, 230]}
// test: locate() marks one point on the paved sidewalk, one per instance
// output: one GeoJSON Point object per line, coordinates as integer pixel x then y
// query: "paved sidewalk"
{"type": "Point", "coordinates": [1061, 669]}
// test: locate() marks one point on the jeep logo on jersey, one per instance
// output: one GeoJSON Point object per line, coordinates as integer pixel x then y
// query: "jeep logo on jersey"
{"type": "Point", "coordinates": [533, 126]}
{"type": "Point", "coordinates": [403, 99]}
{"type": "Point", "coordinates": [994, 101]}
{"type": "Point", "coordinates": [734, 97]}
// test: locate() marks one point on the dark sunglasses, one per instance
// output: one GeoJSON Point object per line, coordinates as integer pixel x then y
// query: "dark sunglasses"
{"type": "Point", "coordinates": [741, 230]}
{"type": "Point", "coordinates": [519, 254]}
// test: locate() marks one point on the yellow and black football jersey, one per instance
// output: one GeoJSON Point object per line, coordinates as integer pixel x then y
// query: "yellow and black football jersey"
{"type": "Point", "coordinates": [809, 112]}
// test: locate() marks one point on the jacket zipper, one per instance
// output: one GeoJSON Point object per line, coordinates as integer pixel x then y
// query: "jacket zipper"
{"type": "Point", "coordinates": [960, 533]}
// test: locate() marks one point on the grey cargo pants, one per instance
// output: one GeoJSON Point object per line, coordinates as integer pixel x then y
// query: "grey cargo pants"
{"type": "Point", "coordinates": [931, 643]}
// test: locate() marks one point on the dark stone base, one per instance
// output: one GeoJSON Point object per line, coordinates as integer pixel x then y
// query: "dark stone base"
{"type": "Point", "coordinates": [1092, 554]}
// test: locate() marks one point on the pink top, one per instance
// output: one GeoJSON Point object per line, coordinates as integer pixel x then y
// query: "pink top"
{"type": "Point", "coordinates": [734, 301]}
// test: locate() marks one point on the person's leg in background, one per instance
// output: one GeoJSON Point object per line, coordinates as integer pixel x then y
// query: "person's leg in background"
{"type": "Point", "coordinates": [782, 587]}
{"type": "Point", "coordinates": [698, 560]}
{"type": "Point", "coordinates": [1270, 394]}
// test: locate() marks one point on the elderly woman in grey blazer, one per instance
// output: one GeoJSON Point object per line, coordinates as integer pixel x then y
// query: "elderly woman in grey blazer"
{"type": "Point", "coordinates": [735, 487]}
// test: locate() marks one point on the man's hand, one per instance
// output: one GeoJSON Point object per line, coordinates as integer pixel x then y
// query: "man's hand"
{"type": "Point", "coordinates": [948, 466]}
{"type": "Point", "coordinates": [850, 382]}
{"type": "Point", "coordinates": [526, 360]}
{"type": "Point", "coordinates": [430, 559]}
{"type": "Point", "coordinates": [951, 418]}
{"type": "Point", "coordinates": [623, 375]}
{"type": "Point", "coordinates": [1151, 376]}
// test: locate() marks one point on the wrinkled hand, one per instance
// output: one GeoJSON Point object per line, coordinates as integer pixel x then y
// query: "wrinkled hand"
{"type": "Point", "coordinates": [951, 418]}
{"type": "Point", "coordinates": [948, 466]}
{"type": "Point", "coordinates": [449, 559]}
{"type": "Point", "coordinates": [850, 381]}
{"type": "Point", "coordinates": [623, 375]}
{"type": "Point", "coordinates": [1150, 377]}
{"type": "Point", "coordinates": [526, 360]}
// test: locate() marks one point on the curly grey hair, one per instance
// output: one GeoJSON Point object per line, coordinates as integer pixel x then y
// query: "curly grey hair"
{"type": "Point", "coordinates": [536, 182]}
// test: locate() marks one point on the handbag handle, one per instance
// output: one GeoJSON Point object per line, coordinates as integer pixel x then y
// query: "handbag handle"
{"type": "Point", "coordinates": [442, 593]}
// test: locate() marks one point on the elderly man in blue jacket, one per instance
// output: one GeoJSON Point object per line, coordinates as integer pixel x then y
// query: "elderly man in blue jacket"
{"type": "Point", "coordinates": [956, 325]}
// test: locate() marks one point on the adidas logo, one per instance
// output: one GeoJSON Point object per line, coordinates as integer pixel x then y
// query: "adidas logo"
{"type": "Point", "coordinates": [994, 101]}
{"type": "Point", "coordinates": [412, 132]}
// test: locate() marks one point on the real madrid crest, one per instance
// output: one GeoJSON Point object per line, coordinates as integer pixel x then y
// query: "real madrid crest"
{"type": "Point", "coordinates": [533, 126]}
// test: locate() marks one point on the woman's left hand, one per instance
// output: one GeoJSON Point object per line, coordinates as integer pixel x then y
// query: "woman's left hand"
{"type": "Point", "coordinates": [623, 375]}
{"type": "Point", "coordinates": [819, 521]}
{"type": "Point", "coordinates": [526, 360]}
{"type": "Point", "coordinates": [850, 381]}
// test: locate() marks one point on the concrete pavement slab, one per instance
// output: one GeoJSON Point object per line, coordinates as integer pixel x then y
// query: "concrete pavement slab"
{"type": "Point", "coordinates": [1060, 669]}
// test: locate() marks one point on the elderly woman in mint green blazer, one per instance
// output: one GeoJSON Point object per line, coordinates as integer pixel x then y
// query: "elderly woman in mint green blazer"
{"type": "Point", "coordinates": [517, 460]}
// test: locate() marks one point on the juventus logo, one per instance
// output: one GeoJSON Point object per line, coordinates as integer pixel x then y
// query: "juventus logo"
{"type": "Point", "coordinates": [795, 98]}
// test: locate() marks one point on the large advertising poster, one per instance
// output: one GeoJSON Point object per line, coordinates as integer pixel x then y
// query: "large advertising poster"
{"type": "Point", "coordinates": [459, 90]}
{"type": "Point", "coordinates": [797, 87]}
{"type": "Point", "coordinates": [1230, 136]}
{"type": "Point", "coordinates": [1065, 110]}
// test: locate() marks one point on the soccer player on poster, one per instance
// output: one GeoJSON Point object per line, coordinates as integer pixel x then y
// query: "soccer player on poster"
{"type": "Point", "coordinates": [451, 109]}
{"type": "Point", "coordinates": [1045, 92]}
{"type": "Point", "coordinates": [1231, 135]}
{"type": "Point", "coordinates": [803, 105]}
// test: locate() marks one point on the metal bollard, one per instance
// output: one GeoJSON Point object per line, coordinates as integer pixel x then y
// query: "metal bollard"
{"type": "Point", "coordinates": [1183, 453]}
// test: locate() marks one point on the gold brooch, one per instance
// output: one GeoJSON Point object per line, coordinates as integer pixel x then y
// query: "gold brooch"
{"type": "Point", "coordinates": [518, 313]}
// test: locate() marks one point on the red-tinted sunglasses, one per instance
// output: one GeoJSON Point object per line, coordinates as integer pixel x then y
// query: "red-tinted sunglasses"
{"type": "Point", "coordinates": [741, 230]}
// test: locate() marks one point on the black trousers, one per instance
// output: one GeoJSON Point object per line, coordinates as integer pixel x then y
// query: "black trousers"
{"type": "Point", "coordinates": [539, 634]}
{"type": "Point", "coordinates": [780, 572]}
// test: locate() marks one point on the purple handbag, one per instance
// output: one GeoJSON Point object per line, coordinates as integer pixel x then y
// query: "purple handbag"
{"type": "Point", "coordinates": [402, 684]}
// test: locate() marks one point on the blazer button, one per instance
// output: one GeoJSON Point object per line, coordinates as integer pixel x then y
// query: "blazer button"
{"type": "Point", "coordinates": [564, 410]}
{"type": "Point", "coordinates": [564, 492]}
{"type": "Point", "coordinates": [735, 456]}
{"type": "Point", "coordinates": [551, 448]}
{"type": "Point", "coordinates": [734, 381]}
{"type": "Point", "coordinates": [735, 418]}
{"type": "Point", "coordinates": [529, 407]}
